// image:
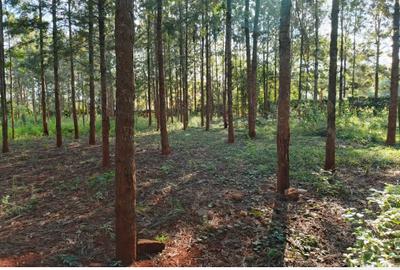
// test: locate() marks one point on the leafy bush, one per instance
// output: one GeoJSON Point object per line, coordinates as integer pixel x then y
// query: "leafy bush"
{"type": "Point", "coordinates": [377, 230]}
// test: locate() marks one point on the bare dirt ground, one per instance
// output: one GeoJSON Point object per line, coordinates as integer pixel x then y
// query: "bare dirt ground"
{"type": "Point", "coordinates": [208, 205]}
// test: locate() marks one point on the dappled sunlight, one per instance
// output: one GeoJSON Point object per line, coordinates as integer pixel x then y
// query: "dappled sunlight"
{"type": "Point", "coordinates": [214, 203]}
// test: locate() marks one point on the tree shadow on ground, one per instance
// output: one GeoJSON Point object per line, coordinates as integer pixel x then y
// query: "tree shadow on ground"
{"type": "Point", "coordinates": [273, 243]}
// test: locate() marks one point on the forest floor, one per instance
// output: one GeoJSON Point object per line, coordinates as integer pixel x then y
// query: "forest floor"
{"type": "Point", "coordinates": [213, 204]}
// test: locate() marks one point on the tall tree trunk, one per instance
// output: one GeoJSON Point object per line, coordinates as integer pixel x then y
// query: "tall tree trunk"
{"type": "Point", "coordinates": [341, 55]}
{"type": "Point", "coordinates": [34, 105]}
{"type": "Point", "coordinates": [194, 79]}
{"type": "Point", "coordinates": [92, 129]}
{"type": "Point", "coordinates": [105, 120]}
{"type": "Point", "coordinates": [185, 73]}
{"type": "Point", "coordinates": [5, 147]}
{"type": "Point", "coordinates": [378, 53]}
{"type": "Point", "coordinates": [394, 84]}
{"type": "Point", "coordinates": [344, 70]}
{"type": "Point", "coordinates": [353, 80]}
{"type": "Point", "coordinates": [275, 71]}
{"type": "Point", "coordinates": [165, 149]}
{"type": "Point", "coordinates": [224, 92]}
{"type": "Point", "coordinates": [183, 63]}
{"type": "Point", "coordinates": [316, 53]}
{"type": "Point", "coordinates": [156, 98]}
{"type": "Point", "coordinates": [72, 71]}
{"type": "Point", "coordinates": [228, 62]}
{"type": "Point", "coordinates": [42, 80]}
{"type": "Point", "coordinates": [283, 135]}
{"type": "Point", "coordinates": [248, 64]}
{"type": "Point", "coordinates": [253, 76]}
{"type": "Point", "coordinates": [208, 72]}
{"type": "Point", "coordinates": [202, 77]}
{"type": "Point", "coordinates": [301, 65]}
{"type": "Point", "coordinates": [265, 85]}
{"type": "Point", "coordinates": [125, 168]}
{"type": "Point", "coordinates": [149, 68]}
{"type": "Point", "coordinates": [56, 76]}
{"type": "Point", "coordinates": [11, 92]}
{"type": "Point", "coordinates": [331, 130]}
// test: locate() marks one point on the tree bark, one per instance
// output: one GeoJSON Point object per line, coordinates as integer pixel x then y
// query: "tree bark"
{"type": "Point", "coordinates": [331, 130]}
{"type": "Point", "coordinates": [353, 80]}
{"type": "Point", "coordinates": [275, 72]}
{"type": "Point", "coordinates": [228, 61]}
{"type": "Point", "coordinates": [125, 168]}
{"type": "Point", "coordinates": [202, 77]}
{"type": "Point", "coordinates": [72, 71]}
{"type": "Point", "coordinates": [341, 55]}
{"type": "Point", "coordinates": [316, 53]}
{"type": "Point", "coordinates": [92, 108]}
{"type": "Point", "coordinates": [253, 76]}
{"type": "Point", "coordinates": [42, 80]}
{"type": "Point", "coordinates": [283, 134]}
{"type": "Point", "coordinates": [208, 72]}
{"type": "Point", "coordinates": [301, 61]}
{"type": "Point", "coordinates": [33, 97]}
{"type": "Point", "coordinates": [378, 53]}
{"type": "Point", "coordinates": [5, 147]}
{"type": "Point", "coordinates": [165, 149]}
{"type": "Point", "coordinates": [149, 69]}
{"type": "Point", "coordinates": [11, 94]}
{"type": "Point", "coordinates": [185, 73]}
{"type": "Point", "coordinates": [56, 76]}
{"type": "Point", "coordinates": [394, 84]}
{"type": "Point", "coordinates": [105, 120]}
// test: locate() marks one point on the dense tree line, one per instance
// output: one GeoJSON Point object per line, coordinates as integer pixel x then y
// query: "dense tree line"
{"type": "Point", "coordinates": [170, 60]}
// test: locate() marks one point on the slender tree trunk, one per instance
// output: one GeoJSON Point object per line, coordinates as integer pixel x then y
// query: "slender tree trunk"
{"type": "Point", "coordinates": [228, 62]}
{"type": "Point", "coordinates": [185, 74]}
{"type": "Point", "coordinates": [301, 65]}
{"type": "Point", "coordinates": [72, 71]}
{"type": "Point", "coordinates": [34, 105]}
{"type": "Point", "coordinates": [253, 76]}
{"type": "Point", "coordinates": [283, 135]}
{"type": "Point", "coordinates": [3, 92]}
{"type": "Point", "coordinates": [249, 87]}
{"type": "Point", "coordinates": [105, 120]}
{"type": "Point", "coordinates": [183, 61]}
{"type": "Point", "coordinates": [353, 80]}
{"type": "Point", "coordinates": [275, 72]}
{"type": "Point", "coordinates": [394, 84]}
{"type": "Point", "coordinates": [202, 79]}
{"type": "Point", "coordinates": [224, 92]}
{"type": "Point", "coordinates": [92, 130]}
{"type": "Point", "coordinates": [331, 130]}
{"type": "Point", "coordinates": [171, 85]}
{"type": "Point", "coordinates": [316, 53]}
{"type": "Point", "coordinates": [42, 80]}
{"type": "Point", "coordinates": [341, 55]}
{"type": "Point", "coordinates": [149, 68]}
{"type": "Point", "coordinates": [11, 93]}
{"type": "Point", "coordinates": [165, 149]}
{"type": "Point", "coordinates": [264, 83]}
{"type": "Point", "coordinates": [194, 79]}
{"type": "Point", "coordinates": [56, 76]}
{"type": "Point", "coordinates": [378, 53]}
{"type": "Point", "coordinates": [344, 70]}
{"type": "Point", "coordinates": [208, 72]}
{"type": "Point", "coordinates": [125, 168]}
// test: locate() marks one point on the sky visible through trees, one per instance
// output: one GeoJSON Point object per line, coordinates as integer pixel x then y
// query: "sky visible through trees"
{"type": "Point", "coordinates": [199, 133]}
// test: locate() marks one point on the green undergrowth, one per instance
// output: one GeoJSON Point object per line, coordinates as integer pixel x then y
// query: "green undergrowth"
{"type": "Point", "coordinates": [377, 230]}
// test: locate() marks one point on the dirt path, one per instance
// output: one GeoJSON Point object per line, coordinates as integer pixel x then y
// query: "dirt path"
{"type": "Point", "coordinates": [212, 203]}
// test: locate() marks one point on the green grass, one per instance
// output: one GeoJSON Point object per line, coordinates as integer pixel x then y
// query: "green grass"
{"type": "Point", "coordinates": [360, 144]}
